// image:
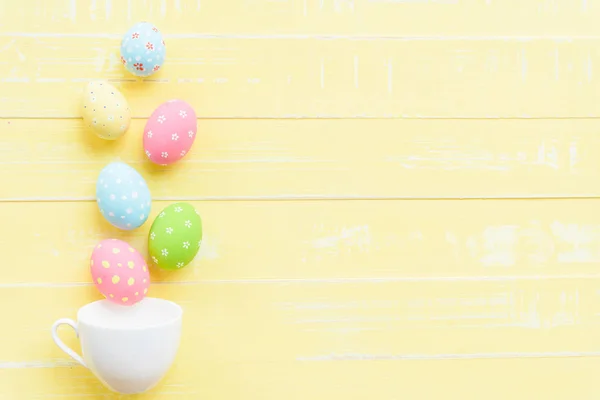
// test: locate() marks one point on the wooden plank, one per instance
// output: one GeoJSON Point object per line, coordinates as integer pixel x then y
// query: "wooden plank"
{"type": "Point", "coordinates": [550, 379]}
{"type": "Point", "coordinates": [331, 321]}
{"type": "Point", "coordinates": [421, 240]}
{"type": "Point", "coordinates": [381, 17]}
{"type": "Point", "coordinates": [325, 159]}
{"type": "Point", "coordinates": [309, 77]}
{"type": "Point", "coordinates": [321, 336]}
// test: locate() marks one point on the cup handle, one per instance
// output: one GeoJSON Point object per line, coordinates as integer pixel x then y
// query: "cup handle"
{"type": "Point", "coordinates": [60, 343]}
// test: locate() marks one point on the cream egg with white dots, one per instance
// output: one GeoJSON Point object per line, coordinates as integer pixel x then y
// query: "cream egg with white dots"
{"type": "Point", "coordinates": [105, 110]}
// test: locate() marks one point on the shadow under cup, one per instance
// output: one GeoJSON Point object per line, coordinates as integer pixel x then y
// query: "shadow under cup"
{"type": "Point", "coordinates": [130, 349]}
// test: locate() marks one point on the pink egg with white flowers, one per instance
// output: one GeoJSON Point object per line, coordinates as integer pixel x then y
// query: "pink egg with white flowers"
{"type": "Point", "coordinates": [170, 132]}
{"type": "Point", "coordinates": [119, 272]}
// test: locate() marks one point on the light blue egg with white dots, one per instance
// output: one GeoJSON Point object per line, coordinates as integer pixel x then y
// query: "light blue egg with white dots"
{"type": "Point", "coordinates": [123, 196]}
{"type": "Point", "coordinates": [143, 49]}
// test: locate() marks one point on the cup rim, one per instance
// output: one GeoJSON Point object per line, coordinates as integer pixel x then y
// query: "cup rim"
{"type": "Point", "coordinates": [177, 317]}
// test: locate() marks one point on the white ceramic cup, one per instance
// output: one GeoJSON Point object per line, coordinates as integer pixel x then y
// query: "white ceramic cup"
{"type": "Point", "coordinates": [128, 348]}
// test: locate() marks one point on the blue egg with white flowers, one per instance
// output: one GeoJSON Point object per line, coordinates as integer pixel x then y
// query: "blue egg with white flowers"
{"type": "Point", "coordinates": [143, 49]}
{"type": "Point", "coordinates": [122, 196]}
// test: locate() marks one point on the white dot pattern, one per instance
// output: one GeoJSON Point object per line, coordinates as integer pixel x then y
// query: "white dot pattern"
{"type": "Point", "coordinates": [121, 200]}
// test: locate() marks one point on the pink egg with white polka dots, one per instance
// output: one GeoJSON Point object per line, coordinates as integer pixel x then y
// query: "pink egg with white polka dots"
{"type": "Point", "coordinates": [170, 132]}
{"type": "Point", "coordinates": [119, 272]}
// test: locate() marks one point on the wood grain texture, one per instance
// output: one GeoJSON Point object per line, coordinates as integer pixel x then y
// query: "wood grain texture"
{"type": "Point", "coordinates": [43, 76]}
{"type": "Point", "coordinates": [333, 17]}
{"type": "Point", "coordinates": [364, 241]}
{"type": "Point", "coordinates": [318, 159]}
{"type": "Point", "coordinates": [552, 379]}
{"type": "Point", "coordinates": [399, 197]}
{"type": "Point", "coordinates": [331, 328]}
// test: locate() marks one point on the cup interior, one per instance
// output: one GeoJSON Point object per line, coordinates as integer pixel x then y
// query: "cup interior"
{"type": "Point", "coordinates": [148, 313]}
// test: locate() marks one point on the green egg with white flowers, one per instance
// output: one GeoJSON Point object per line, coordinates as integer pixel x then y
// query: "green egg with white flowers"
{"type": "Point", "coordinates": [175, 236]}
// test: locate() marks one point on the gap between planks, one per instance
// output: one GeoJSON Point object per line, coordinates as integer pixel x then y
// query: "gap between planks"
{"type": "Point", "coordinates": [284, 36]}
{"type": "Point", "coordinates": [304, 198]}
{"type": "Point", "coordinates": [359, 357]}
{"type": "Point", "coordinates": [319, 117]}
{"type": "Point", "coordinates": [328, 281]}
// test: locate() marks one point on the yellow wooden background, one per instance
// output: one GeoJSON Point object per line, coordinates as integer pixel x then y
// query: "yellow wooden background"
{"type": "Point", "coordinates": [400, 197]}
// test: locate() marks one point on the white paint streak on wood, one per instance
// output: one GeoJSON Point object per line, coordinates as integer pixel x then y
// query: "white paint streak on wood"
{"type": "Point", "coordinates": [556, 64]}
{"type": "Point", "coordinates": [198, 5]}
{"type": "Point", "coordinates": [358, 236]}
{"type": "Point", "coordinates": [389, 75]}
{"type": "Point", "coordinates": [449, 356]}
{"type": "Point", "coordinates": [73, 10]}
{"type": "Point", "coordinates": [128, 9]}
{"type": "Point", "coordinates": [93, 8]}
{"type": "Point", "coordinates": [589, 67]}
{"type": "Point", "coordinates": [178, 5]}
{"type": "Point", "coordinates": [163, 8]}
{"type": "Point", "coordinates": [573, 156]}
{"type": "Point", "coordinates": [108, 9]}
{"type": "Point", "coordinates": [322, 73]}
{"type": "Point", "coordinates": [584, 5]}
{"type": "Point", "coordinates": [523, 65]}
{"type": "Point", "coordinates": [321, 4]}
{"type": "Point", "coordinates": [305, 7]}
{"type": "Point", "coordinates": [582, 240]}
{"type": "Point", "coordinates": [356, 72]}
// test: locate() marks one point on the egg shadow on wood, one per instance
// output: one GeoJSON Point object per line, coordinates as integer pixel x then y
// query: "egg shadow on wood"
{"type": "Point", "coordinates": [135, 237]}
{"type": "Point", "coordinates": [95, 146]}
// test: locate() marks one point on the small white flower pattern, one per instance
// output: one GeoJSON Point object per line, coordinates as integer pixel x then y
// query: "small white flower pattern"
{"type": "Point", "coordinates": [182, 114]}
{"type": "Point", "coordinates": [182, 153]}
{"type": "Point", "coordinates": [162, 214]}
{"type": "Point", "coordinates": [162, 119]}
{"type": "Point", "coordinates": [155, 260]}
{"type": "Point", "coordinates": [173, 241]}
{"type": "Point", "coordinates": [174, 137]}
{"type": "Point", "coordinates": [164, 154]}
{"type": "Point", "coordinates": [149, 134]}
{"type": "Point", "coordinates": [148, 153]}
{"type": "Point", "coordinates": [190, 134]}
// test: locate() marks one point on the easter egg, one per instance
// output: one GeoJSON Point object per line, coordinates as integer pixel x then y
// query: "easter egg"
{"type": "Point", "coordinates": [175, 236]}
{"type": "Point", "coordinates": [105, 110]}
{"type": "Point", "coordinates": [119, 272]}
{"type": "Point", "coordinates": [123, 196]}
{"type": "Point", "coordinates": [170, 132]}
{"type": "Point", "coordinates": [143, 49]}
